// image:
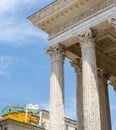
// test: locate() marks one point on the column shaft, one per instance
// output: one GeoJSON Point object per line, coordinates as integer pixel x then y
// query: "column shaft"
{"type": "Point", "coordinates": [104, 100]}
{"type": "Point", "coordinates": [77, 64]}
{"type": "Point", "coordinates": [91, 106]}
{"type": "Point", "coordinates": [79, 97]}
{"type": "Point", "coordinates": [56, 88]}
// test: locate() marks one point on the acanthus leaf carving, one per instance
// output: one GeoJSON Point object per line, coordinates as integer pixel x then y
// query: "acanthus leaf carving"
{"type": "Point", "coordinates": [56, 53]}
{"type": "Point", "coordinates": [77, 64]}
{"type": "Point", "coordinates": [102, 74]}
{"type": "Point", "coordinates": [87, 39]}
{"type": "Point", "coordinates": [88, 35]}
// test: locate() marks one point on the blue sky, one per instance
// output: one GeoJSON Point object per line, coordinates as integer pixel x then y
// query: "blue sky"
{"type": "Point", "coordinates": [24, 67]}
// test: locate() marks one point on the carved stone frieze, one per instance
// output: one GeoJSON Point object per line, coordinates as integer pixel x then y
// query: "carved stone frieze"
{"type": "Point", "coordinates": [56, 53]}
{"type": "Point", "coordinates": [77, 64]}
{"type": "Point", "coordinates": [51, 9]}
{"type": "Point", "coordinates": [73, 20]}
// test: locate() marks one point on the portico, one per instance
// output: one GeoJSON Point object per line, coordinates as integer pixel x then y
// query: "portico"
{"type": "Point", "coordinates": [83, 31]}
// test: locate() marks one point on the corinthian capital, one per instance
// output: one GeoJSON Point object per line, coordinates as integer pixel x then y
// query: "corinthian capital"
{"type": "Point", "coordinates": [77, 64]}
{"type": "Point", "coordinates": [87, 37]}
{"type": "Point", "coordinates": [56, 53]}
{"type": "Point", "coordinates": [102, 74]}
{"type": "Point", "coordinates": [112, 21]}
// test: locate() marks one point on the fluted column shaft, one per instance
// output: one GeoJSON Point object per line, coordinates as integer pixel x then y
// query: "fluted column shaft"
{"type": "Point", "coordinates": [77, 64]}
{"type": "Point", "coordinates": [56, 88]}
{"type": "Point", "coordinates": [104, 100]}
{"type": "Point", "coordinates": [91, 106]}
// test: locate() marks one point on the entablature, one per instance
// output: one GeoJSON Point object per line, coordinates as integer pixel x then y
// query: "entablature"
{"type": "Point", "coordinates": [76, 16]}
{"type": "Point", "coordinates": [64, 22]}
{"type": "Point", "coordinates": [45, 14]}
{"type": "Point", "coordinates": [63, 15]}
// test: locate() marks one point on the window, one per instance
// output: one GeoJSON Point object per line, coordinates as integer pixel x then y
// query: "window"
{"type": "Point", "coordinates": [66, 127]}
{"type": "Point", "coordinates": [44, 124]}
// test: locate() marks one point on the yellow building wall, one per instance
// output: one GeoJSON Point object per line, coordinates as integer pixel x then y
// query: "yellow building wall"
{"type": "Point", "coordinates": [21, 117]}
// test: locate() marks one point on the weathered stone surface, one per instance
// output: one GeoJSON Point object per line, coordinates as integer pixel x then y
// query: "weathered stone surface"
{"type": "Point", "coordinates": [64, 20]}
{"type": "Point", "coordinates": [56, 88]}
{"type": "Point", "coordinates": [104, 100]}
{"type": "Point", "coordinates": [91, 119]}
{"type": "Point", "coordinates": [77, 64]}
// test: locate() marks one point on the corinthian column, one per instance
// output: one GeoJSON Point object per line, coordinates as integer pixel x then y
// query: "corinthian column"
{"type": "Point", "coordinates": [56, 88]}
{"type": "Point", "coordinates": [77, 64]}
{"type": "Point", "coordinates": [91, 108]}
{"type": "Point", "coordinates": [104, 100]}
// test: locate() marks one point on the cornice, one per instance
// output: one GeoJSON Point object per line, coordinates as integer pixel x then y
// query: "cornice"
{"type": "Point", "coordinates": [83, 25]}
{"type": "Point", "coordinates": [19, 124]}
{"type": "Point", "coordinates": [56, 11]}
{"type": "Point", "coordinates": [79, 17]}
{"type": "Point", "coordinates": [63, 15]}
{"type": "Point", "coordinates": [50, 10]}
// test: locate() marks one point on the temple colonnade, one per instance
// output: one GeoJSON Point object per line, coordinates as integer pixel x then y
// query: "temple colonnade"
{"type": "Point", "coordinates": [92, 99]}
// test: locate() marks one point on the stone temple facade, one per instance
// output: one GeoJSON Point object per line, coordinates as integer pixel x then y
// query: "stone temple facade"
{"type": "Point", "coordinates": [83, 31]}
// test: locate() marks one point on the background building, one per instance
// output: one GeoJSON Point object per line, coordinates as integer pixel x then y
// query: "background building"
{"type": "Point", "coordinates": [10, 124]}
{"type": "Point", "coordinates": [44, 121]}
{"type": "Point", "coordinates": [28, 114]}
{"type": "Point", "coordinates": [22, 118]}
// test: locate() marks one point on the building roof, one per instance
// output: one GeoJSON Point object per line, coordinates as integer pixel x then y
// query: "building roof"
{"type": "Point", "coordinates": [19, 124]}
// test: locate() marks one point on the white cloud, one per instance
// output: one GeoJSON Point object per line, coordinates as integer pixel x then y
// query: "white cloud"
{"type": "Point", "coordinates": [6, 5]}
{"type": "Point", "coordinates": [14, 27]}
{"type": "Point", "coordinates": [18, 35]}
{"type": "Point", "coordinates": [4, 64]}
